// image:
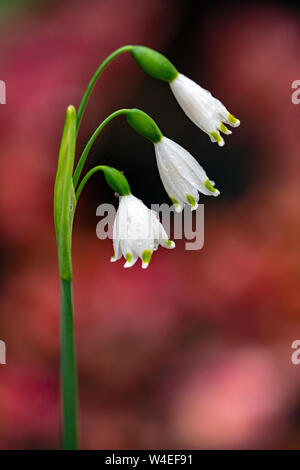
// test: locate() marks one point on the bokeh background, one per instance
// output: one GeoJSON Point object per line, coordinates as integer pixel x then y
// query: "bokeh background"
{"type": "Point", "coordinates": [196, 351]}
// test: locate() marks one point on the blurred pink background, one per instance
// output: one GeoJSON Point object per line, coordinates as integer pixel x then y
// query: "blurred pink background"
{"type": "Point", "coordinates": [196, 351]}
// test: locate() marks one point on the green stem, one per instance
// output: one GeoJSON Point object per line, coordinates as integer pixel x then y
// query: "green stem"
{"type": "Point", "coordinates": [68, 368]}
{"type": "Point", "coordinates": [86, 178]}
{"type": "Point", "coordinates": [95, 78]}
{"type": "Point", "coordinates": [88, 146]}
{"type": "Point", "coordinates": [64, 207]}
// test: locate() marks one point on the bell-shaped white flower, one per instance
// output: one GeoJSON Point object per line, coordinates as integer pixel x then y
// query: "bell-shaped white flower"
{"type": "Point", "coordinates": [202, 108]}
{"type": "Point", "coordinates": [137, 232]}
{"type": "Point", "coordinates": [181, 174]}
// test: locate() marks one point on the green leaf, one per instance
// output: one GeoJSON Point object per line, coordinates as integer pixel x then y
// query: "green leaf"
{"type": "Point", "coordinates": [64, 195]}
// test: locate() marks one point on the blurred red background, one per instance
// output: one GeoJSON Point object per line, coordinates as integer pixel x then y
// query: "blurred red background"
{"type": "Point", "coordinates": [196, 351]}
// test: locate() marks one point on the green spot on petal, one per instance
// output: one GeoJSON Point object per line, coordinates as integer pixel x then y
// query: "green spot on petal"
{"type": "Point", "coordinates": [232, 119]}
{"type": "Point", "coordinates": [209, 186]}
{"type": "Point", "coordinates": [223, 128]}
{"type": "Point", "coordinates": [146, 256]}
{"type": "Point", "coordinates": [175, 202]}
{"type": "Point", "coordinates": [191, 200]}
{"type": "Point", "coordinates": [169, 243]}
{"type": "Point", "coordinates": [216, 136]}
{"type": "Point", "coordinates": [128, 257]}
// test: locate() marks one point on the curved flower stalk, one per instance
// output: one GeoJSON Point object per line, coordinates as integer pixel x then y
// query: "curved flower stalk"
{"type": "Point", "coordinates": [207, 112]}
{"type": "Point", "coordinates": [137, 230]}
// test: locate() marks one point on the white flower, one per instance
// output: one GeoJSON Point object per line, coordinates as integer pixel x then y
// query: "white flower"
{"type": "Point", "coordinates": [137, 232]}
{"type": "Point", "coordinates": [181, 174]}
{"type": "Point", "coordinates": [202, 108]}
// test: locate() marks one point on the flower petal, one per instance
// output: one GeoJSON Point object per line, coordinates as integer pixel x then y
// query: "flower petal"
{"type": "Point", "coordinates": [181, 174]}
{"type": "Point", "coordinates": [130, 260]}
{"type": "Point", "coordinates": [202, 108]}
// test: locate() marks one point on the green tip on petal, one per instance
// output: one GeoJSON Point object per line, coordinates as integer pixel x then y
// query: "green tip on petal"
{"type": "Point", "coordinates": [175, 202]}
{"type": "Point", "coordinates": [223, 128]}
{"type": "Point", "coordinates": [232, 119]}
{"type": "Point", "coordinates": [209, 186]}
{"type": "Point", "coordinates": [146, 256]}
{"type": "Point", "coordinates": [128, 257]}
{"type": "Point", "coordinates": [191, 200]}
{"type": "Point", "coordinates": [170, 243]}
{"type": "Point", "coordinates": [216, 136]}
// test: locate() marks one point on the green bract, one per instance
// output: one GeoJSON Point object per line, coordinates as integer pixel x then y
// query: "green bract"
{"type": "Point", "coordinates": [144, 124]}
{"type": "Point", "coordinates": [154, 64]}
{"type": "Point", "coordinates": [116, 180]}
{"type": "Point", "coordinates": [64, 196]}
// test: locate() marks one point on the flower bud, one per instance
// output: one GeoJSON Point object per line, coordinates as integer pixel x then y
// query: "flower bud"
{"type": "Point", "coordinates": [144, 125]}
{"type": "Point", "coordinates": [154, 64]}
{"type": "Point", "coordinates": [116, 180]}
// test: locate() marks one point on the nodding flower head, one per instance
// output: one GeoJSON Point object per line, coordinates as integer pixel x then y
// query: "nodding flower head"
{"type": "Point", "coordinates": [199, 105]}
{"type": "Point", "coordinates": [137, 232]}
{"type": "Point", "coordinates": [181, 174]}
{"type": "Point", "coordinates": [202, 108]}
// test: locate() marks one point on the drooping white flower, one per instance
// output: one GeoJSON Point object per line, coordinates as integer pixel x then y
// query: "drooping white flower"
{"type": "Point", "coordinates": [202, 108]}
{"type": "Point", "coordinates": [181, 174]}
{"type": "Point", "coordinates": [137, 232]}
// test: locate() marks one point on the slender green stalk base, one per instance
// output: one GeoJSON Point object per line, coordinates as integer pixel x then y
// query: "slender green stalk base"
{"type": "Point", "coordinates": [68, 368]}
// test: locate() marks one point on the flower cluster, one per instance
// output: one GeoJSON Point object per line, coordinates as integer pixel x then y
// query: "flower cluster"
{"type": "Point", "coordinates": [137, 230]}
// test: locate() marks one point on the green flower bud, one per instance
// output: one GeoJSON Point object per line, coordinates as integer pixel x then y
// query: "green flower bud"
{"type": "Point", "coordinates": [154, 64]}
{"type": "Point", "coordinates": [116, 180]}
{"type": "Point", "coordinates": [144, 124]}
